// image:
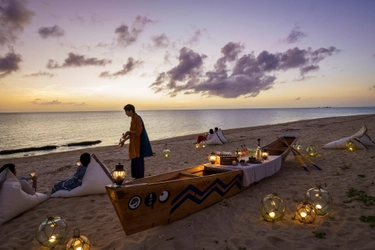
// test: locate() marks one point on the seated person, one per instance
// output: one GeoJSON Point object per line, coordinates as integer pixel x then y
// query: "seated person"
{"type": "Point", "coordinates": [25, 185]}
{"type": "Point", "coordinates": [76, 181]}
{"type": "Point", "coordinates": [206, 136]}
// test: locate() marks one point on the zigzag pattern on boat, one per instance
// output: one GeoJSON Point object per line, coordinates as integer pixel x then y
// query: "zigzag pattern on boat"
{"type": "Point", "coordinates": [236, 181]}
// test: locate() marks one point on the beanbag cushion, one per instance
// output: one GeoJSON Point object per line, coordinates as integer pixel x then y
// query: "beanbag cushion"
{"type": "Point", "coordinates": [14, 201]}
{"type": "Point", "coordinates": [214, 140]}
{"type": "Point", "coordinates": [93, 182]}
{"type": "Point", "coordinates": [222, 136]}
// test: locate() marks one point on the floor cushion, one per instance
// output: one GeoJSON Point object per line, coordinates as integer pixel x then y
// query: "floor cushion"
{"type": "Point", "coordinates": [13, 200]}
{"type": "Point", "coordinates": [214, 140]}
{"type": "Point", "coordinates": [222, 136]}
{"type": "Point", "coordinates": [93, 182]}
{"type": "Point", "coordinates": [360, 139]}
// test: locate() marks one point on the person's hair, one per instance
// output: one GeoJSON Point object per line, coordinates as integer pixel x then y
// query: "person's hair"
{"type": "Point", "coordinates": [216, 128]}
{"type": "Point", "coordinates": [129, 107]}
{"type": "Point", "coordinates": [85, 159]}
{"type": "Point", "coordinates": [11, 167]}
{"type": "Point", "coordinates": [211, 131]}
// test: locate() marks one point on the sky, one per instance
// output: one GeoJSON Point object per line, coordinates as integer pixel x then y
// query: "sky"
{"type": "Point", "coordinates": [91, 55]}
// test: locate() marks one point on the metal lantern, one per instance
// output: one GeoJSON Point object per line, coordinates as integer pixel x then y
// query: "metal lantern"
{"type": "Point", "coordinates": [78, 241]}
{"type": "Point", "coordinates": [305, 212]}
{"type": "Point", "coordinates": [272, 207]}
{"type": "Point", "coordinates": [118, 174]}
{"type": "Point", "coordinates": [212, 158]}
{"type": "Point", "coordinates": [350, 146]}
{"type": "Point", "coordinates": [311, 151]}
{"type": "Point", "coordinates": [166, 153]}
{"type": "Point", "coordinates": [51, 231]}
{"type": "Point", "coordinates": [320, 198]}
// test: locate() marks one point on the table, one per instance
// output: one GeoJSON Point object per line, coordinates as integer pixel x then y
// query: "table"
{"type": "Point", "coordinates": [254, 172]}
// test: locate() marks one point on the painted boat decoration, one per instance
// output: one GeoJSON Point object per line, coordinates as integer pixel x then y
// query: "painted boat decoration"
{"type": "Point", "coordinates": [158, 200]}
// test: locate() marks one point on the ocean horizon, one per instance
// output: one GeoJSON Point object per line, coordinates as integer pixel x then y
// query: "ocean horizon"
{"type": "Point", "coordinates": [60, 129]}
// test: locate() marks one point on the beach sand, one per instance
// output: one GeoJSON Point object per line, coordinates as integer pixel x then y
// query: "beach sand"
{"type": "Point", "coordinates": [233, 224]}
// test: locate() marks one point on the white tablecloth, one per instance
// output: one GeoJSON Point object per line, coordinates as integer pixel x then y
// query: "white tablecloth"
{"type": "Point", "coordinates": [255, 172]}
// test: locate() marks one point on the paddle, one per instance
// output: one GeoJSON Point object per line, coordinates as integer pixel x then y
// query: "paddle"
{"type": "Point", "coordinates": [295, 151]}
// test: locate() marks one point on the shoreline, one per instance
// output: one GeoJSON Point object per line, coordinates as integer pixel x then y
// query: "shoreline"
{"type": "Point", "coordinates": [233, 224]}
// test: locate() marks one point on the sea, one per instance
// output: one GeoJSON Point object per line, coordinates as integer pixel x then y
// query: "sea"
{"type": "Point", "coordinates": [35, 130]}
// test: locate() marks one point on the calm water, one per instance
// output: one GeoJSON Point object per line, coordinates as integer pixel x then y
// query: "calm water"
{"type": "Point", "coordinates": [23, 130]}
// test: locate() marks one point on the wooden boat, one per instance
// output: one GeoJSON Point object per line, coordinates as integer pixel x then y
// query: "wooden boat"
{"type": "Point", "coordinates": [153, 201]}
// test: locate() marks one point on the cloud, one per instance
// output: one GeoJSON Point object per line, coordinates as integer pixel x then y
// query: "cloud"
{"type": "Point", "coordinates": [127, 68]}
{"type": "Point", "coordinates": [127, 35]}
{"type": "Point", "coordinates": [54, 31]}
{"type": "Point", "coordinates": [234, 74]}
{"type": "Point", "coordinates": [75, 60]}
{"type": "Point", "coordinates": [196, 36]}
{"type": "Point", "coordinates": [160, 41]}
{"type": "Point", "coordinates": [39, 101]}
{"type": "Point", "coordinates": [40, 73]}
{"type": "Point", "coordinates": [9, 63]}
{"type": "Point", "coordinates": [13, 17]}
{"type": "Point", "coordinates": [295, 35]}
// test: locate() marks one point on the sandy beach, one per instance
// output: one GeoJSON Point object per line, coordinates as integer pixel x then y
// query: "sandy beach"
{"type": "Point", "coordinates": [233, 224]}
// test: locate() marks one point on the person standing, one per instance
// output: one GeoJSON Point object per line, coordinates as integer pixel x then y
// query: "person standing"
{"type": "Point", "coordinates": [139, 145]}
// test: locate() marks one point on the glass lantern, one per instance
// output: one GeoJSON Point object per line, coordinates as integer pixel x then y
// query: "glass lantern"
{"type": "Point", "coordinates": [166, 153]}
{"type": "Point", "coordinates": [297, 146]}
{"type": "Point", "coordinates": [305, 212]}
{"type": "Point", "coordinates": [272, 207]}
{"type": "Point", "coordinates": [197, 145]}
{"type": "Point", "coordinates": [51, 231]}
{"type": "Point", "coordinates": [212, 158]}
{"type": "Point", "coordinates": [264, 154]}
{"type": "Point", "coordinates": [350, 146]}
{"type": "Point", "coordinates": [118, 174]}
{"type": "Point", "coordinates": [320, 198]}
{"type": "Point", "coordinates": [203, 144]}
{"type": "Point", "coordinates": [311, 151]}
{"type": "Point", "coordinates": [78, 242]}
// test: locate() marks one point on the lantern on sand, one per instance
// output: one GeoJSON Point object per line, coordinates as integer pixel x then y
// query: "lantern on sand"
{"type": "Point", "coordinates": [197, 145]}
{"type": "Point", "coordinates": [51, 231]}
{"type": "Point", "coordinates": [166, 153]}
{"type": "Point", "coordinates": [78, 241]}
{"type": "Point", "coordinates": [311, 151]}
{"type": "Point", "coordinates": [350, 146]}
{"type": "Point", "coordinates": [264, 154]}
{"type": "Point", "coordinates": [297, 146]}
{"type": "Point", "coordinates": [118, 174]}
{"type": "Point", "coordinates": [320, 199]}
{"type": "Point", "coordinates": [305, 212]}
{"type": "Point", "coordinates": [272, 207]}
{"type": "Point", "coordinates": [203, 144]}
{"type": "Point", "coordinates": [212, 158]}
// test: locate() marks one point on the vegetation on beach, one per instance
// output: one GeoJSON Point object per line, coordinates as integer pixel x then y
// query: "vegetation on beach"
{"type": "Point", "coordinates": [360, 195]}
{"type": "Point", "coordinates": [319, 234]}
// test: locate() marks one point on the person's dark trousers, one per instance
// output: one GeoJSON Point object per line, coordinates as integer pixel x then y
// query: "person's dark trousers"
{"type": "Point", "coordinates": [138, 167]}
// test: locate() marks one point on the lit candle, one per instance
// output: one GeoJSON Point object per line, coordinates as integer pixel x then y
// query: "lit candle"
{"type": "Point", "coordinates": [272, 214]}
{"type": "Point", "coordinates": [303, 214]}
{"type": "Point", "coordinates": [318, 206]}
{"type": "Point", "coordinates": [52, 239]}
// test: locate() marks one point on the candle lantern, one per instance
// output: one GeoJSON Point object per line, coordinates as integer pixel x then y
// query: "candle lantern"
{"type": "Point", "coordinates": [272, 207]}
{"type": "Point", "coordinates": [197, 145]}
{"type": "Point", "coordinates": [78, 241]}
{"type": "Point", "coordinates": [166, 153]}
{"type": "Point", "coordinates": [311, 151]}
{"type": "Point", "coordinates": [350, 146]}
{"type": "Point", "coordinates": [297, 146]}
{"type": "Point", "coordinates": [51, 231]}
{"type": "Point", "coordinates": [264, 154]}
{"type": "Point", "coordinates": [320, 198]}
{"type": "Point", "coordinates": [203, 144]}
{"type": "Point", "coordinates": [212, 158]}
{"type": "Point", "coordinates": [305, 212]}
{"type": "Point", "coordinates": [118, 174]}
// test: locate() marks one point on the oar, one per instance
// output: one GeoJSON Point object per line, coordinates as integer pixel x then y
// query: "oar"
{"type": "Point", "coordinates": [297, 152]}
{"type": "Point", "coordinates": [298, 158]}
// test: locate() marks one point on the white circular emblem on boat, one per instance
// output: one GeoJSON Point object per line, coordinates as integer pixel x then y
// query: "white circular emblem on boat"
{"type": "Point", "coordinates": [134, 202]}
{"type": "Point", "coordinates": [163, 197]}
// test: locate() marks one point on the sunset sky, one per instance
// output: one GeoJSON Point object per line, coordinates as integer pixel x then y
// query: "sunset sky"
{"type": "Point", "coordinates": [92, 55]}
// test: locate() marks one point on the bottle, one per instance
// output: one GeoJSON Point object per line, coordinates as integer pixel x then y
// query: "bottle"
{"type": "Point", "coordinates": [122, 140]}
{"type": "Point", "coordinates": [258, 152]}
